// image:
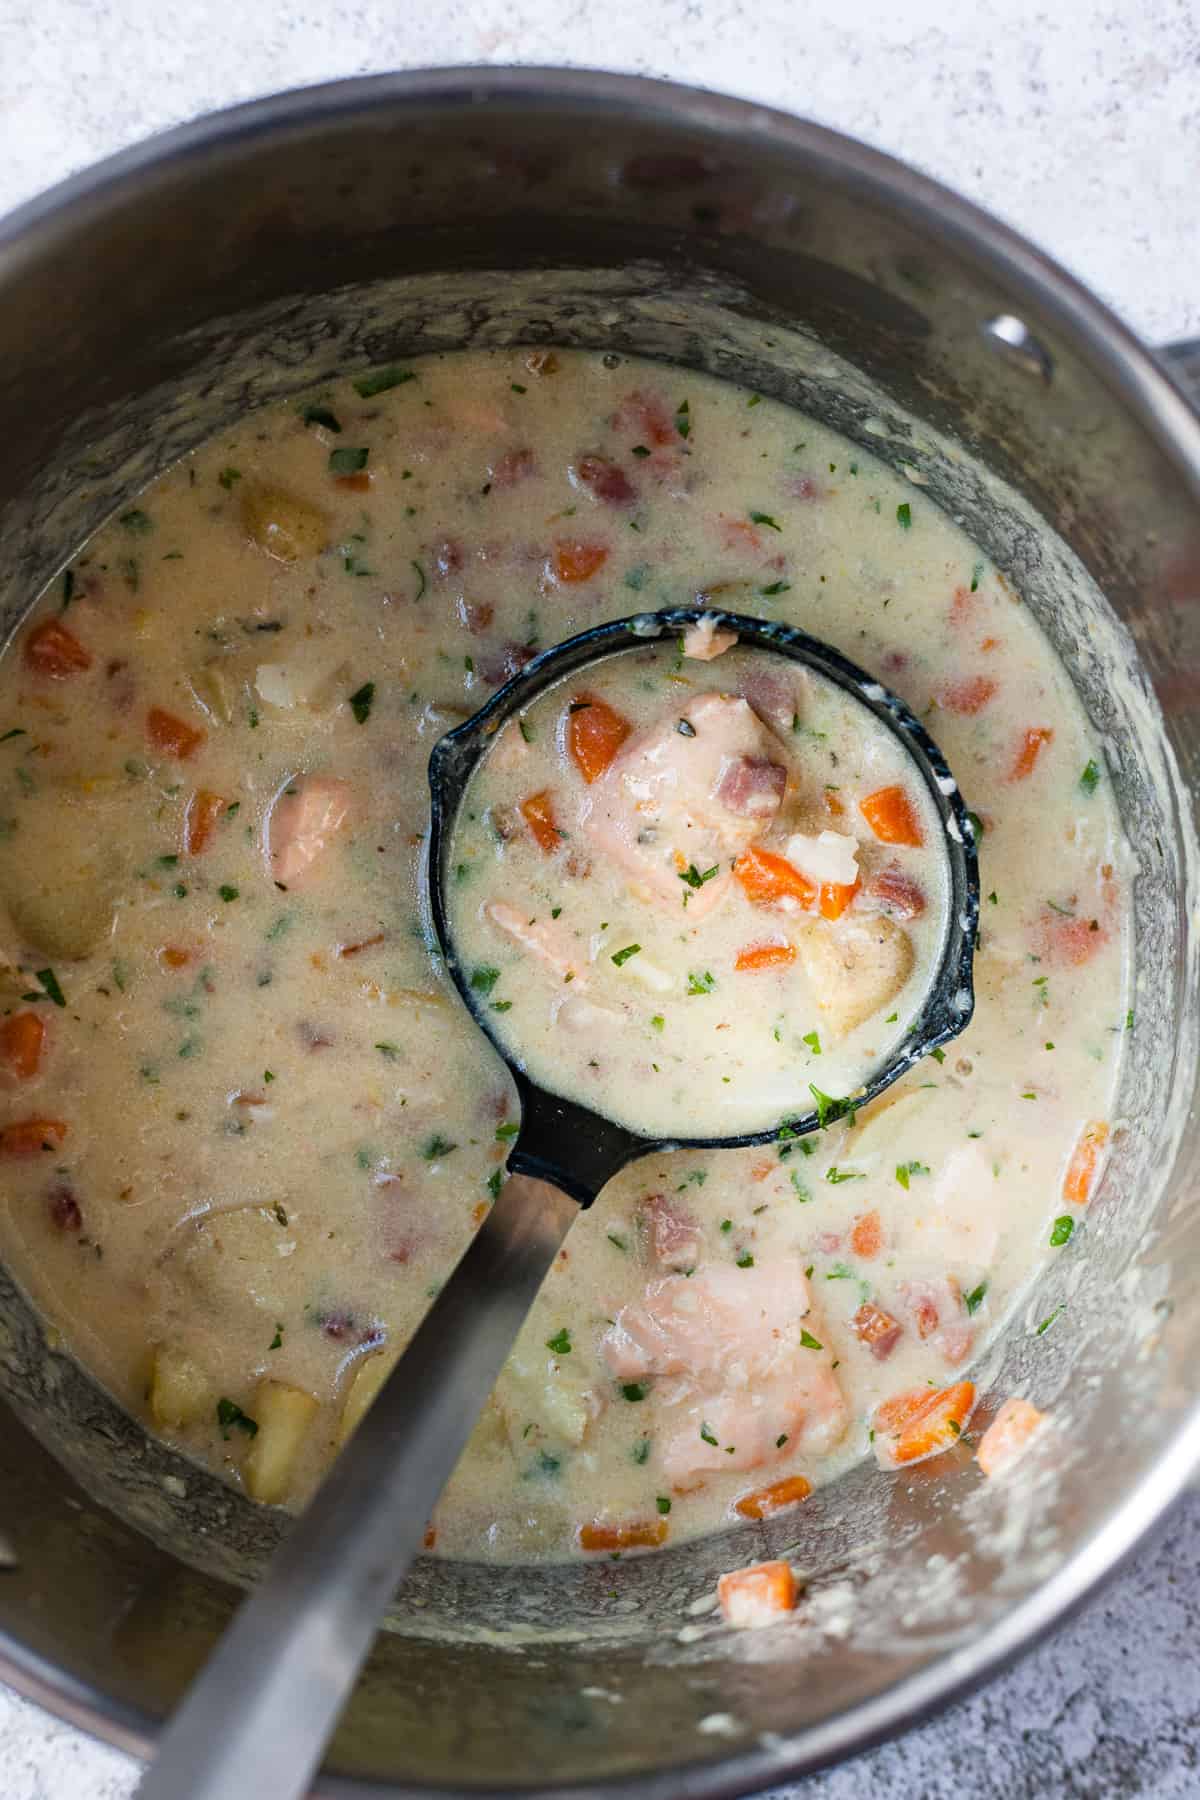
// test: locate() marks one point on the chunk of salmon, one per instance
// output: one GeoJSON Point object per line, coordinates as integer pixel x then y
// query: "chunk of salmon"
{"type": "Point", "coordinates": [542, 938]}
{"type": "Point", "coordinates": [706, 640]}
{"type": "Point", "coordinates": [752, 1378]}
{"type": "Point", "coordinates": [306, 816]}
{"type": "Point", "coordinates": [674, 799]}
{"type": "Point", "coordinates": [669, 1234]}
{"type": "Point", "coordinates": [959, 1227]}
{"type": "Point", "coordinates": [855, 967]}
{"type": "Point", "coordinates": [1007, 1437]}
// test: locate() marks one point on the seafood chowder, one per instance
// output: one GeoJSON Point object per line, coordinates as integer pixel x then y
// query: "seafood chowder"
{"type": "Point", "coordinates": [674, 829]}
{"type": "Point", "coordinates": [246, 1125]}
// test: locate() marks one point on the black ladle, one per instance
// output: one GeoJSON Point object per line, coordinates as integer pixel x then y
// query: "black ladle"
{"type": "Point", "coordinates": [258, 1717]}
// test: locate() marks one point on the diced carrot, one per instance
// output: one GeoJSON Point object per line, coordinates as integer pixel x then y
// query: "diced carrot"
{"type": "Point", "coordinates": [595, 732]}
{"type": "Point", "coordinates": [765, 956]}
{"type": "Point", "coordinates": [765, 1502]}
{"type": "Point", "coordinates": [200, 820]}
{"type": "Point", "coordinates": [866, 1239]}
{"type": "Point", "coordinates": [576, 561]}
{"type": "Point", "coordinates": [1007, 1435]}
{"type": "Point", "coordinates": [1081, 1170]}
{"type": "Point", "coordinates": [22, 1038]}
{"type": "Point", "coordinates": [757, 1596]}
{"type": "Point", "coordinates": [174, 737]}
{"type": "Point", "coordinates": [635, 1534]}
{"type": "Point", "coordinates": [1030, 750]}
{"type": "Point", "coordinates": [26, 1137]}
{"type": "Point", "coordinates": [766, 877]}
{"type": "Point", "coordinates": [430, 1537]}
{"type": "Point", "coordinates": [538, 813]}
{"type": "Point", "coordinates": [175, 956]}
{"type": "Point", "coordinates": [889, 813]}
{"type": "Point", "coordinates": [921, 1430]}
{"type": "Point", "coordinates": [835, 897]}
{"type": "Point", "coordinates": [53, 650]}
{"type": "Point", "coordinates": [969, 696]}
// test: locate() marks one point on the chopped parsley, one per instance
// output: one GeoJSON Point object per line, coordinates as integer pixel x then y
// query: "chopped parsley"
{"type": "Point", "coordinates": [663, 1504]}
{"type": "Point", "coordinates": [745, 1260]}
{"type": "Point", "coordinates": [229, 1413]}
{"type": "Point", "coordinates": [436, 1146]}
{"type": "Point", "coordinates": [227, 893]}
{"type": "Point", "coordinates": [904, 516]}
{"type": "Point", "coordinates": [834, 1174]}
{"type": "Point", "coordinates": [420, 574]}
{"type": "Point", "coordinates": [560, 1343]}
{"type": "Point", "coordinates": [1064, 1226]}
{"type": "Point", "coordinates": [974, 1300]}
{"type": "Point", "coordinates": [137, 521]}
{"type": "Point", "coordinates": [641, 1451]}
{"type": "Point", "coordinates": [776, 587]}
{"type": "Point", "coordinates": [633, 1390]}
{"type": "Point", "coordinates": [1047, 1323]}
{"type": "Point", "coordinates": [905, 1170]}
{"type": "Point", "coordinates": [484, 979]}
{"type": "Point", "coordinates": [381, 380]}
{"type": "Point", "coordinates": [391, 1051]}
{"type": "Point", "coordinates": [762, 518]}
{"type": "Point", "coordinates": [227, 477]}
{"type": "Point", "coordinates": [683, 420]}
{"type": "Point", "coordinates": [50, 985]}
{"type": "Point", "coordinates": [691, 874]}
{"type": "Point", "coordinates": [813, 1041]}
{"type": "Point", "coordinates": [976, 574]}
{"type": "Point", "coordinates": [803, 1193]}
{"type": "Point", "coordinates": [621, 957]}
{"type": "Point", "coordinates": [808, 1341]}
{"type": "Point", "coordinates": [700, 984]}
{"type": "Point", "coordinates": [362, 701]}
{"type": "Point", "coordinates": [829, 1109]}
{"type": "Point", "coordinates": [706, 1432]}
{"type": "Point", "coordinates": [1089, 781]}
{"type": "Point", "coordinates": [276, 1342]}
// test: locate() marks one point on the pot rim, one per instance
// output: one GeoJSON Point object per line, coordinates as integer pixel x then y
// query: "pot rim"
{"type": "Point", "coordinates": [1115, 355]}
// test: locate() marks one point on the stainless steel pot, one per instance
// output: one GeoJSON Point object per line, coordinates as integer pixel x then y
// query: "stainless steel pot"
{"type": "Point", "coordinates": [233, 262]}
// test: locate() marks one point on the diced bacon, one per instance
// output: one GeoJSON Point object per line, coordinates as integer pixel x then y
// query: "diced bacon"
{"type": "Point", "coordinates": [935, 1310]}
{"type": "Point", "coordinates": [895, 893]}
{"type": "Point", "coordinates": [50, 649]}
{"type": "Point", "coordinates": [752, 1598]}
{"type": "Point", "coordinates": [1008, 1436]}
{"type": "Point", "coordinates": [922, 1422]}
{"type": "Point", "coordinates": [749, 1386]}
{"type": "Point", "coordinates": [507, 660]}
{"type": "Point", "coordinates": [877, 1329]}
{"type": "Point", "coordinates": [752, 787]}
{"type": "Point", "coordinates": [543, 938]}
{"type": "Point", "coordinates": [604, 479]}
{"type": "Point", "coordinates": [968, 696]}
{"type": "Point", "coordinates": [513, 467]}
{"type": "Point", "coordinates": [775, 698]}
{"type": "Point", "coordinates": [659, 809]}
{"type": "Point", "coordinates": [476, 617]}
{"type": "Point", "coordinates": [306, 816]}
{"type": "Point", "coordinates": [672, 1238]}
{"type": "Point", "coordinates": [22, 1043]}
{"type": "Point", "coordinates": [706, 640]}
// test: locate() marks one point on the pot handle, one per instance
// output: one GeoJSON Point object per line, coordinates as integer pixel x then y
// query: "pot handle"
{"type": "Point", "coordinates": [1182, 361]}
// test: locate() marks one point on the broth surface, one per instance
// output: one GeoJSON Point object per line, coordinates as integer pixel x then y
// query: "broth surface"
{"type": "Point", "coordinates": [246, 1126]}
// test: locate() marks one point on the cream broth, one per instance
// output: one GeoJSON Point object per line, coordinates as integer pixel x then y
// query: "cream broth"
{"type": "Point", "coordinates": [670, 900]}
{"type": "Point", "coordinates": [246, 1126]}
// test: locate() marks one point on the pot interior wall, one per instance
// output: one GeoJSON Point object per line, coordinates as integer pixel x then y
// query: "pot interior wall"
{"type": "Point", "coordinates": [136, 325]}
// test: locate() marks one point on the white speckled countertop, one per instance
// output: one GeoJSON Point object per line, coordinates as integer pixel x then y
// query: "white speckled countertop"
{"type": "Point", "coordinates": [1071, 121]}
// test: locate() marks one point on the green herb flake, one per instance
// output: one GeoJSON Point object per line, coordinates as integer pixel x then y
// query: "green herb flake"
{"type": "Point", "coordinates": [494, 1183]}
{"type": "Point", "coordinates": [633, 1391]}
{"type": "Point", "coordinates": [137, 521]}
{"type": "Point", "coordinates": [436, 1146]}
{"type": "Point", "coordinates": [1064, 1226]}
{"type": "Point", "coordinates": [560, 1343]}
{"type": "Point", "coordinates": [812, 1039]}
{"type": "Point", "coordinates": [508, 1129]}
{"type": "Point", "coordinates": [391, 1051]}
{"type": "Point", "coordinates": [762, 518]}
{"type": "Point", "coordinates": [420, 575]}
{"type": "Point", "coordinates": [776, 587]}
{"type": "Point", "coordinates": [683, 419]}
{"type": "Point", "coordinates": [68, 588]}
{"type": "Point", "coordinates": [939, 1056]}
{"type": "Point", "coordinates": [484, 979]}
{"type": "Point", "coordinates": [904, 1171]}
{"type": "Point", "coordinates": [641, 1451]}
{"type": "Point", "coordinates": [50, 985]}
{"type": "Point", "coordinates": [808, 1341]}
{"type": "Point", "coordinates": [380, 381]}
{"type": "Point", "coordinates": [829, 1109]}
{"type": "Point", "coordinates": [835, 1175]}
{"type": "Point", "coordinates": [620, 957]}
{"type": "Point", "coordinates": [1047, 1323]}
{"type": "Point", "coordinates": [228, 476]}
{"type": "Point", "coordinates": [348, 461]}
{"type": "Point", "coordinates": [692, 876]}
{"type": "Point", "coordinates": [230, 1415]}
{"type": "Point", "coordinates": [618, 1242]}
{"type": "Point", "coordinates": [974, 1300]}
{"type": "Point", "coordinates": [663, 1504]}
{"type": "Point", "coordinates": [1089, 781]}
{"type": "Point", "coordinates": [904, 516]}
{"type": "Point", "coordinates": [276, 1342]}
{"type": "Point", "coordinates": [745, 1260]}
{"type": "Point", "coordinates": [803, 1194]}
{"type": "Point", "coordinates": [227, 893]}
{"type": "Point", "coordinates": [700, 984]}
{"type": "Point", "coordinates": [706, 1432]}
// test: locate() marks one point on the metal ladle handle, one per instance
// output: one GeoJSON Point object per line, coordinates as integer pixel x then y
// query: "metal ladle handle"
{"type": "Point", "coordinates": [257, 1718]}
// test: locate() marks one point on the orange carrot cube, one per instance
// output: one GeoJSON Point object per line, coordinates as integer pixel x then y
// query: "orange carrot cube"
{"type": "Point", "coordinates": [889, 813]}
{"type": "Point", "coordinates": [1007, 1436]}
{"type": "Point", "coordinates": [595, 732]}
{"type": "Point", "coordinates": [757, 1596]}
{"type": "Point", "coordinates": [765, 1502]}
{"type": "Point", "coordinates": [1081, 1170]}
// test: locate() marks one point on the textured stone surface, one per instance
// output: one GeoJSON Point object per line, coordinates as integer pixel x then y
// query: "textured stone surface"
{"type": "Point", "coordinates": [1074, 122]}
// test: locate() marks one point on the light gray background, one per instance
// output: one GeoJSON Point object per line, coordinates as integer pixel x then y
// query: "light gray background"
{"type": "Point", "coordinates": [1078, 122]}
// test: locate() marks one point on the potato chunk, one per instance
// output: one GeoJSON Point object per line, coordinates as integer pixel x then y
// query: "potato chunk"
{"type": "Point", "coordinates": [854, 967]}
{"type": "Point", "coordinates": [366, 1382]}
{"type": "Point", "coordinates": [284, 1415]}
{"type": "Point", "coordinates": [283, 525]}
{"type": "Point", "coordinates": [70, 859]}
{"type": "Point", "coordinates": [180, 1390]}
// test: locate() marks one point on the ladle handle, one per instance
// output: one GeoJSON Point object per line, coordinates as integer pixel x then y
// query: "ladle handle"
{"type": "Point", "coordinates": [257, 1719]}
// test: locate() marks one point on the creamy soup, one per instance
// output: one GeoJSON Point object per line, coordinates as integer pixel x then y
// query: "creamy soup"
{"type": "Point", "coordinates": [247, 1126]}
{"type": "Point", "coordinates": [674, 829]}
